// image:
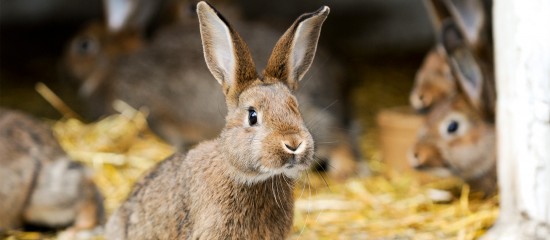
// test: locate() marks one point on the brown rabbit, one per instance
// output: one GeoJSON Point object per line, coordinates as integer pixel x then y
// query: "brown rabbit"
{"type": "Point", "coordinates": [434, 81]}
{"type": "Point", "coordinates": [239, 185]}
{"type": "Point", "coordinates": [166, 70]}
{"type": "Point", "coordinates": [456, 137]}
{"type": "Point", "coordinates": [458, 134]}
{"type": "Point", "coordinates": [40, 184]}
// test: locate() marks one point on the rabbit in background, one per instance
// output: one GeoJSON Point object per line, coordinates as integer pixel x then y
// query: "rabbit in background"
{"type": "Point", "coordinates": [40, 184]}
{"type": "Point", "coordinates": [238, 185]}
{"type": "Point", "coordinates": [459, 131]}
{"type": "Point", "coordinates": [165, 76]}
{"type": "Point", "coordinates": [455, 137]}
{"type": "Point", "coordinates": [434, 81]}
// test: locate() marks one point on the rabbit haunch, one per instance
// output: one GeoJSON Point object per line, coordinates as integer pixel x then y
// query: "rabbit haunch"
{"type": "Point", "coordinates": [39, 184]}
{"type": "Point", "coordinates": [239, 185]}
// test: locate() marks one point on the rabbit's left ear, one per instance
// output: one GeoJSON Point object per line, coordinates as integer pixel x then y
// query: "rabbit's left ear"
{"type": "Point", "coordinates": [226, 54]}
{"type": "Point", "coordinates": [464, 65]}
{"type": "Point", "coordinates": [294, 52]}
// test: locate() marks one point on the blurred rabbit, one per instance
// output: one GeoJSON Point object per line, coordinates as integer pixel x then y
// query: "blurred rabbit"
{"type": "Point", "coordinates": [434, 81]}
{"type": "Point", "coordinates": [40, 184]}
{"type": "Point", "coordinates": [457, 138]}
{"type": "Point", "coordinates": [459, 134]}
{"type": "Point", "coordinates": [164, 77]}
{"type": "Point", "coordinates": [96, 48]}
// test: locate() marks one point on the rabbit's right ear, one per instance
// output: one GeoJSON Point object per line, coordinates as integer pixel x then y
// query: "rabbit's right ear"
{"type": "Point", "coordinates": [226, 54]}
{"type": "Point", "coordinates": [470, 18]}
{"type": "Point", "coordinates": [464, 65]}
{"type": "Point", "coordinates": [129, 14]}
{"type": "Point", "coordinates": [294, 52]}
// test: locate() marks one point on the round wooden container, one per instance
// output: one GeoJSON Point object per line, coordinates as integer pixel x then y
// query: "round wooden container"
{"type": "Point", "coordinates": [398, 131]}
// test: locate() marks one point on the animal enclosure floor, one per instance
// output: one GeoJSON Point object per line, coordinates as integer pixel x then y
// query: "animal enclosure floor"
{"type": "Point", "coordinates": [384, 205]}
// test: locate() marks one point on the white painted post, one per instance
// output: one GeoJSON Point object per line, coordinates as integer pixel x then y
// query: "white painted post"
{"type": "Point", "coordinates": [522, 55]}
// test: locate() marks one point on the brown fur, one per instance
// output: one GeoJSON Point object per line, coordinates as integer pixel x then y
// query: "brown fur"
{"type": "Point", "coordinates": [94, 51]}
{"type": "Point", "coordinates": [433, 82]}
{"type": "Point", "coordinates": [237, 186]}
{"type": "Point", "coordinates": [40, 185]}
{"type": "Point", "coordinates": [469, 153]}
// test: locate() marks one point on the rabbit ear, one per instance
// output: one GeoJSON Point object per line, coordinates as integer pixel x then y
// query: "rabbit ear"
{"type": "Point", "coordinates": [294, 52]}
{"type": "Point", "coordinates": [118, 13]}
{"type": "Point", "coordinates": [129, 14]}
{"type": "Point", "coordinates": [226, 54]}
{"type": "Point", "coordinates": [469, 15]}
{"type": "Point", "coordinates": [437, 11]}
{"type": "Point", "coordinates": [465, 66]}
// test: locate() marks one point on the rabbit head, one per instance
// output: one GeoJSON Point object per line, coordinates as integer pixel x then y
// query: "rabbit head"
{"type": "Point", "coordinates": [264, 134]}
{"type": "Point", "coordinates": [433, 82]}
{"type": "Point", "coordinates": [98, 46]}
{"type": "Point", "coordinates": [459, 133]}
{"type": "Point", "coordinates": [456, 137]}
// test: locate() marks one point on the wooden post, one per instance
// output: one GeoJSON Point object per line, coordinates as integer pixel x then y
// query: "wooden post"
{"type": "Point", "coordinates": [522, 55]}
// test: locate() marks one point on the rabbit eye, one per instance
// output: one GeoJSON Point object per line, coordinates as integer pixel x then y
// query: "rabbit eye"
{"type": "Point", "coordinates": [252, 117]}
{"type": "Point", "coordinates": [453, 127]}
{"type": "Point", "coordinates": [86, 46]}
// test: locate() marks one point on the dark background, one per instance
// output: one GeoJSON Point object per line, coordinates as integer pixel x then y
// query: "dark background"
{"type": "Point", "coordinates": [380, 42]}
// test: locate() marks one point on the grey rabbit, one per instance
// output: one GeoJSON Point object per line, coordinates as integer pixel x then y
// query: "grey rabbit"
{"type": "Point", "coordinates": [40, 184]}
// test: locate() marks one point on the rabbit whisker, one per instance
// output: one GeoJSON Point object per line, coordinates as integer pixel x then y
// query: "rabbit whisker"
{"type": "Point", "coordinates": [277, 185]}
{"type": "Point", "coordinates": [321, 175]}
{"type": "Point", "coordinates": [305, 81]}
{"type": "Point", "coordinates": [287, 183]}
{"type": "Point", "coordinates": [275, 195]}
{"type": "Point", "coordinates": [308, 204]}
{"type": "Point", "coordinates": [320, 111]}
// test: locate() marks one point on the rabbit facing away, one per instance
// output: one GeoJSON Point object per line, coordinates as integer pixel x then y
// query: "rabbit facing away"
{"type": "Point", "coordinates": [40, 184]}
{"type": "Point", "coordinates": [239, 185]}
{"type": "Point", "coordinates": [164, 77]}
{"type": "Point", "coordinates": [459, 134]}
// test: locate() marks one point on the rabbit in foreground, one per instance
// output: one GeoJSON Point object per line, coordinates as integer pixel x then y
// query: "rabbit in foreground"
{"type": "Point", "coordinates": [168, 70]}
{"type": "Point", "coordinates": [458, 134]}
{"type": "Point", "coordinates": [40, 185]}
{"type": "Point", "coordinates": [239, 185]}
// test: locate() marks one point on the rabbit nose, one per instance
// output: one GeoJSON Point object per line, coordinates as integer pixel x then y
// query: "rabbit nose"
{"type": "Point", "coordinates": [416, 159]}
{"type": "Point", "coordinates": [293, 147]}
